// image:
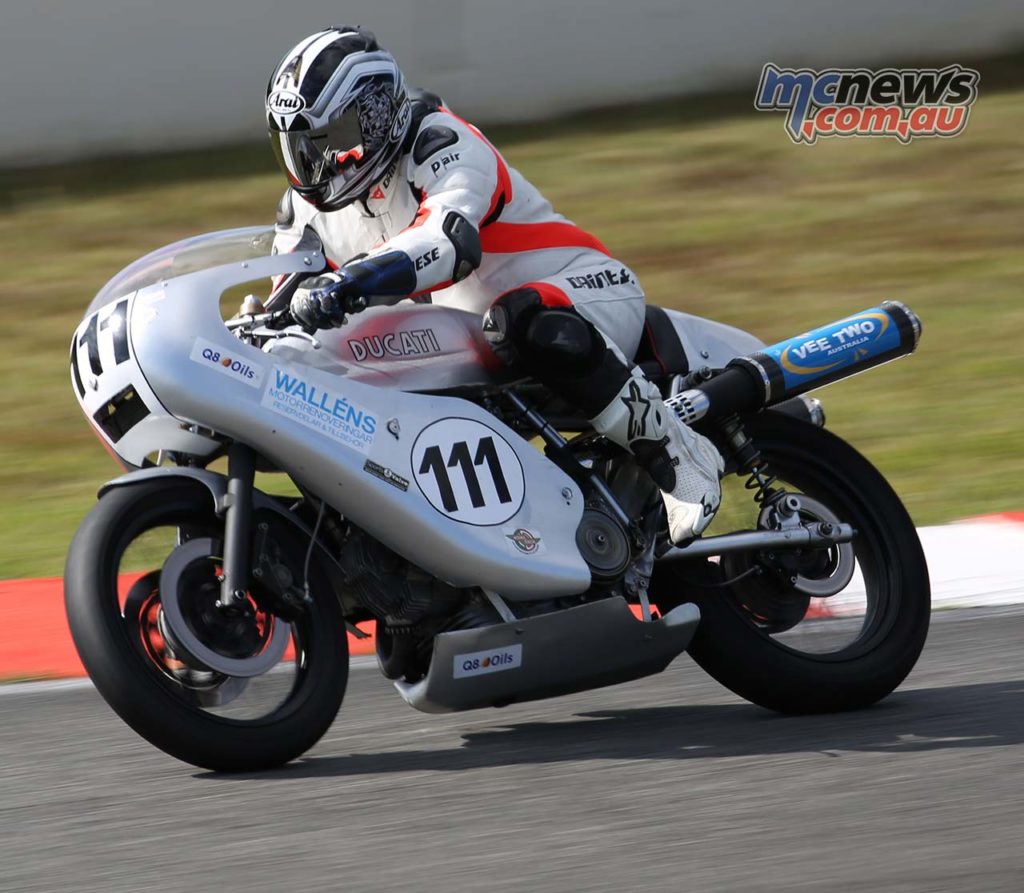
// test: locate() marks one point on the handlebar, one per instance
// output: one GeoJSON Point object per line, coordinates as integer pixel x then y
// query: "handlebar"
{"type": "Point", "coordinates": [275, 319]}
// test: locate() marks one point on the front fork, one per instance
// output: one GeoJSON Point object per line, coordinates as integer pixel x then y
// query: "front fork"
{"type": "Point", "coordinates": [237, 506]}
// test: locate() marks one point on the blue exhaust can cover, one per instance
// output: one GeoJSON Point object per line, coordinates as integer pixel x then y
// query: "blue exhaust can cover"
{"type": "Point", "coordinates": [846, 342]}
{"type": "Point", "coordinates": [837, 350]}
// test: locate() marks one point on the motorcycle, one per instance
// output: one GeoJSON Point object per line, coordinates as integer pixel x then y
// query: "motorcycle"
{"type": "Point", "coordinates": [283, 487]}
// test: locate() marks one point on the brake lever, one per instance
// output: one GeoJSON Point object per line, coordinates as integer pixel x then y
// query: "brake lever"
{"type": "Point", "coordinates": [277, 319]}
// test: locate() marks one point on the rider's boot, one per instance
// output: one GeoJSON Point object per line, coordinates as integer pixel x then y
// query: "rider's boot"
{"type": "Point", "coordinates": [684, 464]}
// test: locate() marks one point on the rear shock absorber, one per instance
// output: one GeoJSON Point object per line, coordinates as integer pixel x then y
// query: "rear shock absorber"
{"type": "Point", "coordinates": [690, 405]}
{"type": "Point", "coordinates": [749, 459]}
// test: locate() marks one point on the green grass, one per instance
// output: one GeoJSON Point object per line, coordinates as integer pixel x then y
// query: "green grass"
{"type": "Point", "coordinates": [721, 216]}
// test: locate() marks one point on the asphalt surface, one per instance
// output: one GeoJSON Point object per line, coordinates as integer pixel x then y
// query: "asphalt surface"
{"type": "Point", "coordinates": [666, 784]}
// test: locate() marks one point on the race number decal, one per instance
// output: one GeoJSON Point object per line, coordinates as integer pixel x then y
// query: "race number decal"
{"type": "Point", "coordinates": [468, 472]}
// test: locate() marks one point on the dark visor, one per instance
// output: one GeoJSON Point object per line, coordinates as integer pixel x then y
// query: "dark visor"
{"type": "Point", "coordinates": [310, 158]}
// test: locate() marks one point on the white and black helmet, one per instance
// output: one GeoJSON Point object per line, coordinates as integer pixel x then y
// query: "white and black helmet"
{"type": "Point", "coordinates": [338, 115]}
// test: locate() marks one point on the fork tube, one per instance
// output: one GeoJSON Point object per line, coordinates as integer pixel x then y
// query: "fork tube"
{"type": "Point", "coordinates": [238, 524]}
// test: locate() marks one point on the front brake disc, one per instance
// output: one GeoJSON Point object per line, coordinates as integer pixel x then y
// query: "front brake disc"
{"type": "Point", "coordinates": [267, 652]}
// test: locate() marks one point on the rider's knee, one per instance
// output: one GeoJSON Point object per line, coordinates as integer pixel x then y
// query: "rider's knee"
{"type": "Point", "coordinates": [533, 326]}
{"type": "Point", "coordinates": [564, 341]}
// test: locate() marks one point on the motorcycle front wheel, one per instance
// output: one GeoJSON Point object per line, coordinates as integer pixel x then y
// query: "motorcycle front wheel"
{"type": "Point", "coordinates": [768, 640]}
{"type": "Point", "coordinates": [204, 717]}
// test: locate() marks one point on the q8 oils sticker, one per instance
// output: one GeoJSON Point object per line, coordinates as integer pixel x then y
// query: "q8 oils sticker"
{"type": "Point", "coordinates": [468, 472]}
{"type": "Point", "coordinates": [479, 663]}
{"type": "Point", "coordinates": [206, 353]}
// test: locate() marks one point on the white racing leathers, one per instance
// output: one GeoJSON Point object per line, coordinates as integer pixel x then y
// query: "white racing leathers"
{"type": "Point", "coordinates": [527, 268]}
{"type": "Point", "coordinates": [450, 166]}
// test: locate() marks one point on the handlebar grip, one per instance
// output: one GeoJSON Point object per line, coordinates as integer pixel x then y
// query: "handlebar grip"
{"type": "Point", "coordinates": [281, 319]}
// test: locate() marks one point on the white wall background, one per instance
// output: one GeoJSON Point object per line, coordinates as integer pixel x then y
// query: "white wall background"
{"type": "Point", "coordinates": [86, 77]}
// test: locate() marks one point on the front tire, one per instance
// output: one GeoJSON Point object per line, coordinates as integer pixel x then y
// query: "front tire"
{"type": "Point", "coordinates": [155, 691]}
{"type": "Point", "coordinates": [737, 648]}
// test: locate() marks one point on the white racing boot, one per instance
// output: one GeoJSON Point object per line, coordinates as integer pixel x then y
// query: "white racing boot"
{"type": "Point", "coordinates": [684, 464]}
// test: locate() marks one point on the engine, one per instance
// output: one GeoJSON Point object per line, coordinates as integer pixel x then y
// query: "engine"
{"type": "Point", "coordinates": [411, 606]}
{"type": "Point", "coordinates": [396, 592]}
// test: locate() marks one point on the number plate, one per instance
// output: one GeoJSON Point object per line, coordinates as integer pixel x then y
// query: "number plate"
{"type": "Point", "coordinates": [468, 472]}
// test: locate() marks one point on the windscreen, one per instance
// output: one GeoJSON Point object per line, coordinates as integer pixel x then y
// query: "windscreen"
{"type": "Point", "coordinates": [187, 256]}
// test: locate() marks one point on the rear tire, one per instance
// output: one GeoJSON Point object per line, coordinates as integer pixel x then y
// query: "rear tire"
{"type": "Point", "coordinates": [741, 656]}
{"type": "Point", "coordinates": [166, 714]}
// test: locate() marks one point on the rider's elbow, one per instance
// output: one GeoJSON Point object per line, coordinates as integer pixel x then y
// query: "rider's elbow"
{"type": "Point", "coordinates": [465, 239]}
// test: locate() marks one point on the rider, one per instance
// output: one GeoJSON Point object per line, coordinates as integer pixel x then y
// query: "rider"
{"type": "Point", "coordinates": [408, 200]}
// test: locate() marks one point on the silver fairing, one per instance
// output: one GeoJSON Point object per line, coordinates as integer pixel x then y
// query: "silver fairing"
{"type": "Point", "coordinates": [710, 343]}
{"type": "Point", "coordinates": [437, 479]}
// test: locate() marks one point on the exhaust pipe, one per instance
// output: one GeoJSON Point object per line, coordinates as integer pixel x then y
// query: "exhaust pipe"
{"type": "Point", "coordinates": [800, 364]}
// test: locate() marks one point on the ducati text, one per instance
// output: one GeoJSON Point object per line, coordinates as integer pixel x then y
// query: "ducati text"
{"type": "Point", "coordinates": [414, 343]}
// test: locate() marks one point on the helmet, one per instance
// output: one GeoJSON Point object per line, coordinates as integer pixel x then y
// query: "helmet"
{"type": "Point", "coordinates": [338, 115]}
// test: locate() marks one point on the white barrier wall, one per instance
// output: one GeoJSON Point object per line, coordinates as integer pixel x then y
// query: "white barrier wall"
{"type": "Point", "coordinates": [85, 77]}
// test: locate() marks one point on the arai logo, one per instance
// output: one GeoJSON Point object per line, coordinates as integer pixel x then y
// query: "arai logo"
{"type": "Point", "coordinates": [401, 119]}
{"type": "Point", "coordinates": [480, 662]}
{"type": "Point", "coordinates": [285, 102]}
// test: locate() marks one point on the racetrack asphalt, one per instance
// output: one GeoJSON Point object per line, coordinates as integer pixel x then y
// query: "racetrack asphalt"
{"type": "Point", "coordinates": [669, 783]}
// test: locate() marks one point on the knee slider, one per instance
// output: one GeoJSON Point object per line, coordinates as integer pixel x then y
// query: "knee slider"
{"type": "Point", "coordinates": [506, 320]}
{"type": "Point", "coordinates": [564, 341]}
{"type": "Point", "coordinates": [522, 331]}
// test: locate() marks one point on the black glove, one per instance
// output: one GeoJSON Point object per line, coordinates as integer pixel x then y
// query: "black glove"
{"type": "Point", "coordinates": [324, 301]}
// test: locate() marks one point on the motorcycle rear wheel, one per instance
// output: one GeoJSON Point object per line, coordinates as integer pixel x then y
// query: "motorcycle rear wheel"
{"type": "Point", "coordinates": [157, 692]}
{"type": "Point", "coordinates": [739, 650]}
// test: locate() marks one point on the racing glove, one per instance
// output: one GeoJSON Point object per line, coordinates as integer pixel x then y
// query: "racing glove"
{"type": "Point", "coordinates": [324, 301]}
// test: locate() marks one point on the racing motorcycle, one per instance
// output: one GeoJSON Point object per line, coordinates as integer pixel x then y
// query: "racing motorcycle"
{"type": "Point", "coordinates": [285, 489]}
